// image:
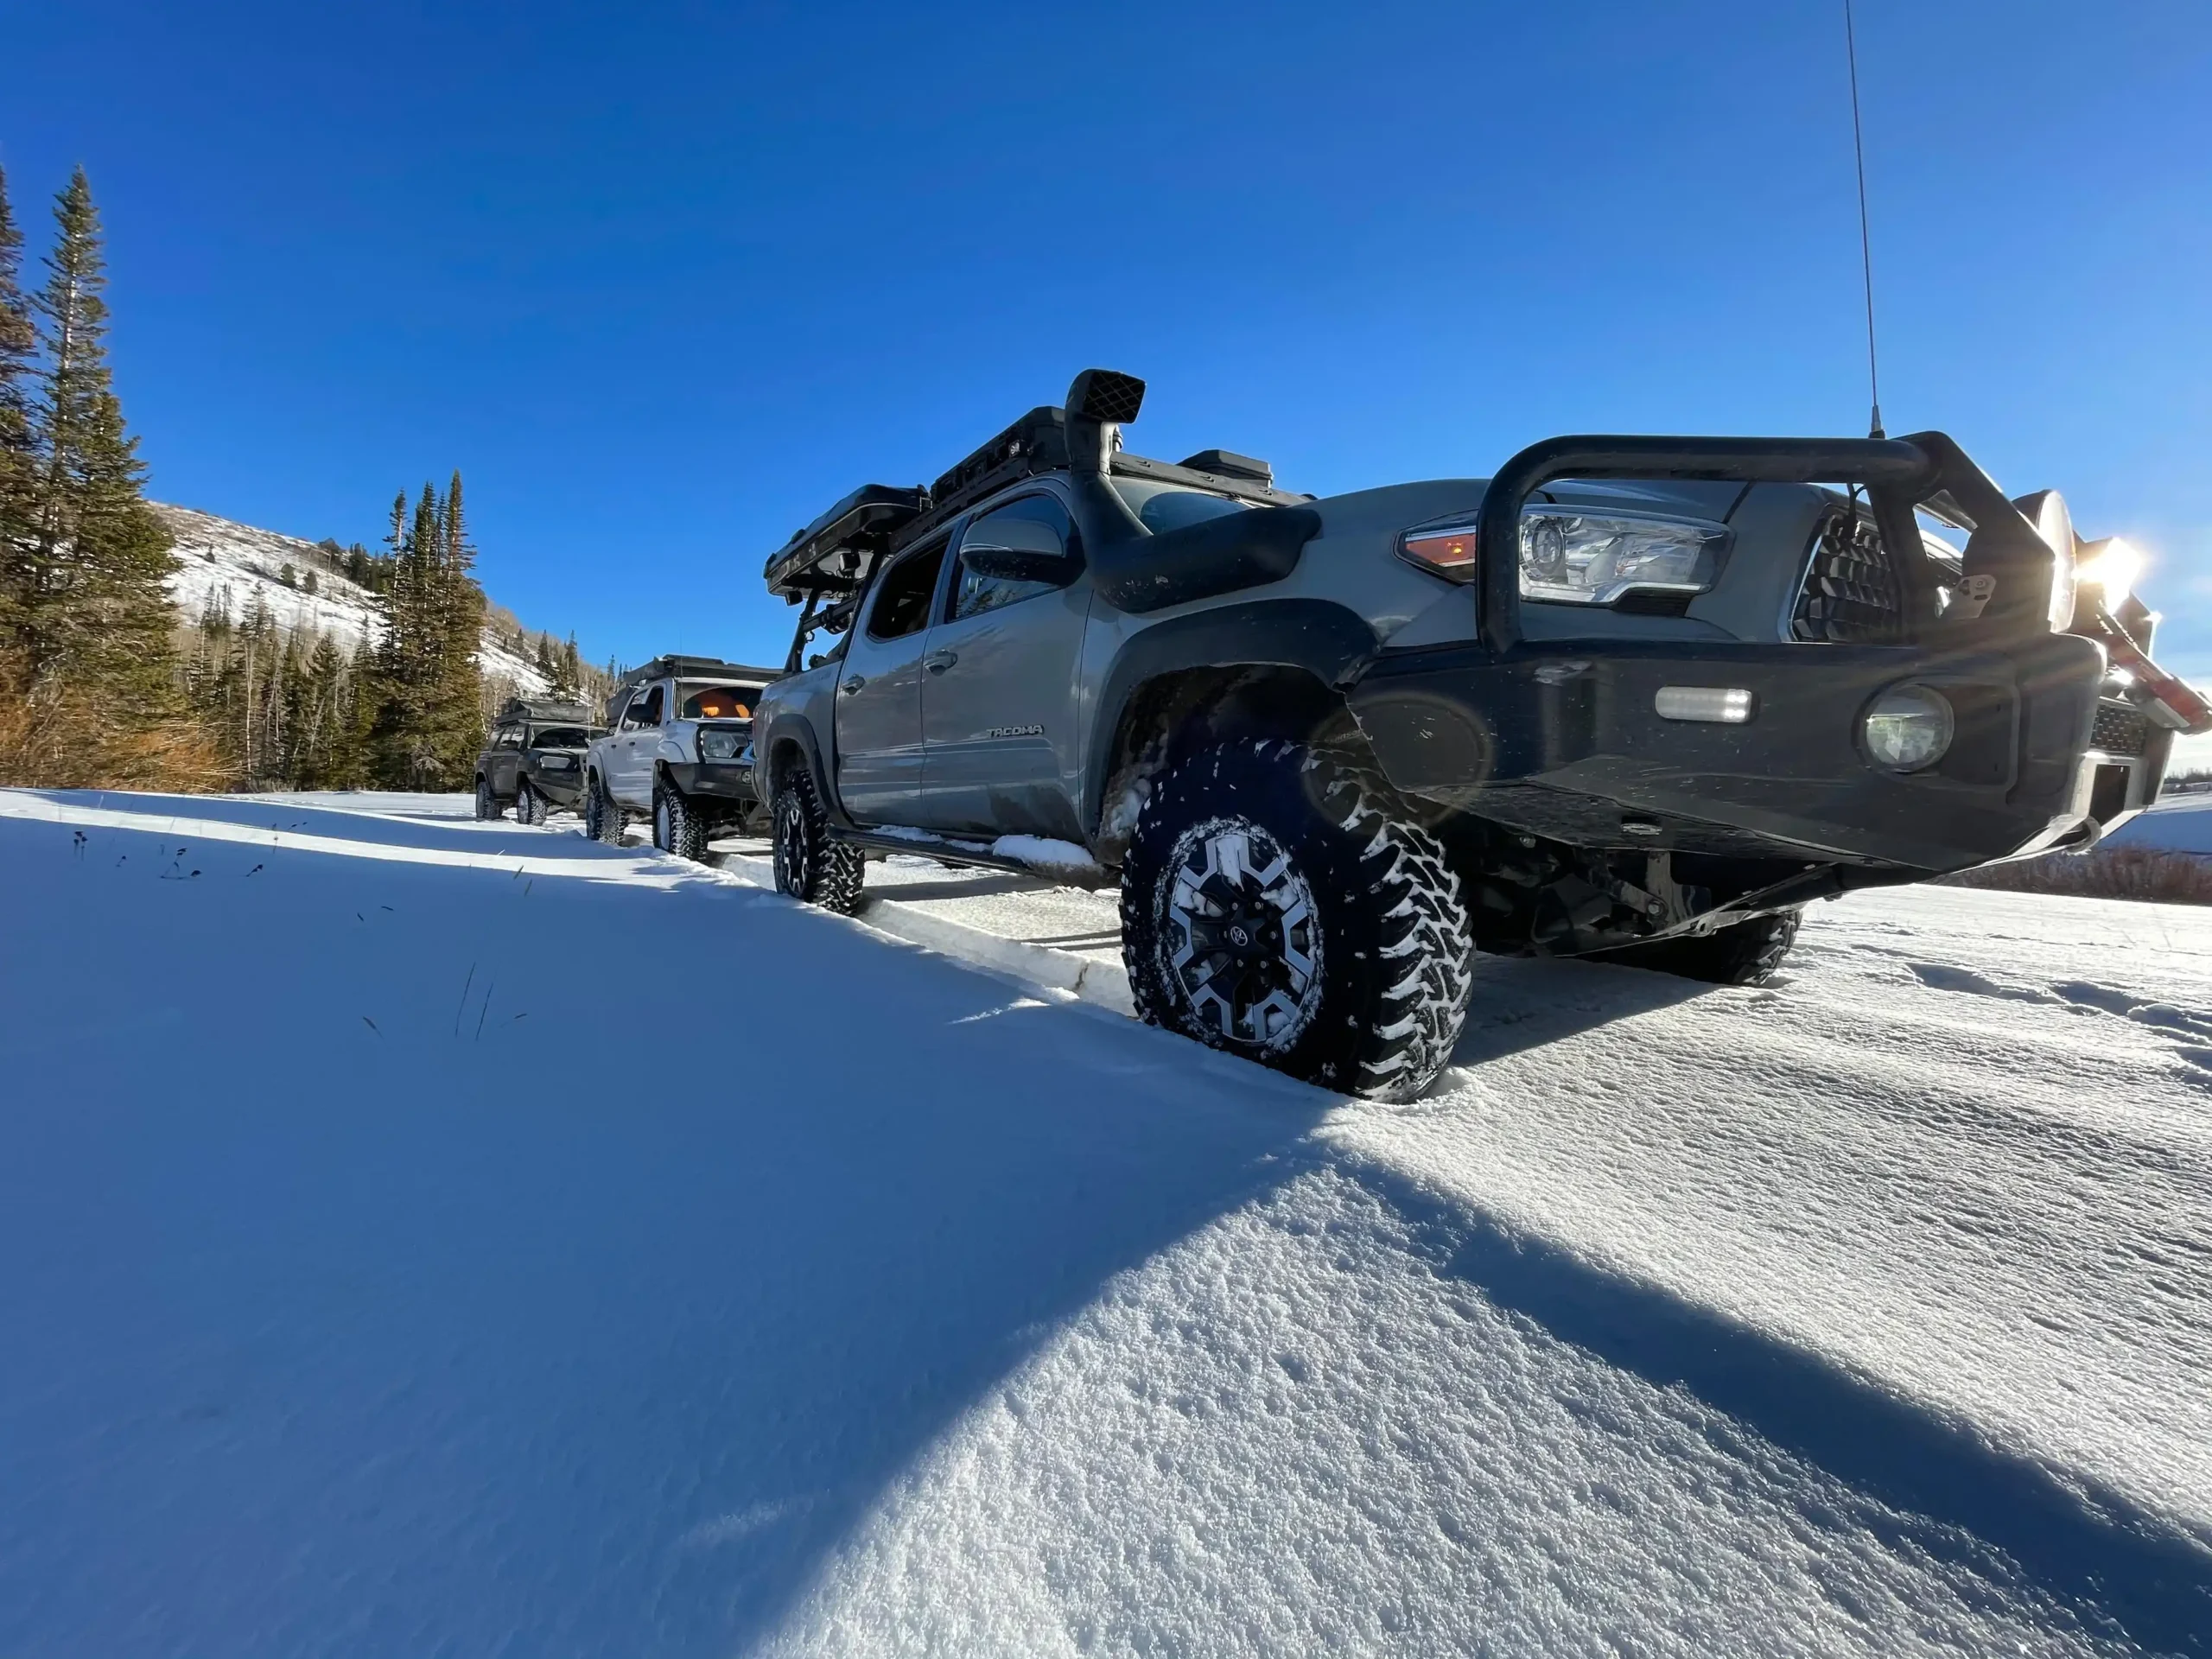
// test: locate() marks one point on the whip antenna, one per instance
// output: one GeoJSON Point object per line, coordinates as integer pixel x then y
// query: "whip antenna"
{"type": "Point", "coordinates": [1866, 242]}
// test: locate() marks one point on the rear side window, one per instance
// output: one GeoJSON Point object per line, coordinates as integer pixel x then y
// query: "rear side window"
{"type": "Point", "coordinates": [718, 702]}
{"type": "Point", "coordinates": [902, 598]}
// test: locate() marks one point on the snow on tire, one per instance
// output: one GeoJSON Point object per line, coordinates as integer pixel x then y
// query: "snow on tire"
{"type": "Point", "coordinates": [602, 818]}
{"type": "Point", "coordinates": [1277, 902]}
{"type": "Point", "coordinates": [677, 828]}
{"type": "Point", "coordinates": [809, 864]}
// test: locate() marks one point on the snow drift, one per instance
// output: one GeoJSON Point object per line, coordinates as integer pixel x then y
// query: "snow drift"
{"type": "Point", "coordinates": [375, 1283]}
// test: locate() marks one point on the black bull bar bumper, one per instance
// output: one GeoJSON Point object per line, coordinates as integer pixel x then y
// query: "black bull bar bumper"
{"type": "Point", "coordinates": [1562, 738]}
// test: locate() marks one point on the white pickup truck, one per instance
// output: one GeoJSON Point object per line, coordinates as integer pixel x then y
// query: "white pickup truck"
{"type": "Point", "coordinates": [677, 752]}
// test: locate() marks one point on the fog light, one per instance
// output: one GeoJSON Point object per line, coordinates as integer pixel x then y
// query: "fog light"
{"type": "Point", "coordinates": [1723, 705]}
{"type": "Point", "coordinates": [1909, 727]}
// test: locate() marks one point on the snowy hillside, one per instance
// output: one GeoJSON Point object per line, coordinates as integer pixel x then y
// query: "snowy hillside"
{"type": "Point", "coordinates": [219, 560]}
{"type": "Point", "coordinates": [918, 1308]}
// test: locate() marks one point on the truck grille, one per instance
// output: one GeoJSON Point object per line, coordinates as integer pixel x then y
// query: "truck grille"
{"type": "Point", "coordinates": [1851, 595]}
{"type": "Point", "coordinates": [2120, 730]}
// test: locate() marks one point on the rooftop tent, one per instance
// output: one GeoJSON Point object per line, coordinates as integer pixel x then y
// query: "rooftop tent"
{"type": "Point", "coordinates": [832, 554]}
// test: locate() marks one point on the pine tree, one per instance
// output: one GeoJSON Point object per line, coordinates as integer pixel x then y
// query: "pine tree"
{"type": "Point", "coordinates": [458, 700]}
{"type": "Point", "coordinates": [18, 459]}
{"type": "Point", "coordinates": [568, 673]}
{"type": "Point", "coordinates": [91, 681]}
{"type": "Point", "coordinates": [98, 613]}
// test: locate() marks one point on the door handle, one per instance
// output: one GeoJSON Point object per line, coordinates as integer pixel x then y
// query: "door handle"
{"type": "Point", "coordinates": [851, 683]}
{"type": "Point", "coordinates": [937, 661]}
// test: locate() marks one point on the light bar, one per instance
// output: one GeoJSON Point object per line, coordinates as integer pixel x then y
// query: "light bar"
{"type": "Point", "coordinates": [1720, 705]}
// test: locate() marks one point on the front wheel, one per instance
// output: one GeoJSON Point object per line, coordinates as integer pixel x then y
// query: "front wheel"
{"type": "Point", "coordinates": [1744, 953]}
{"type": "Point", "coordinates": [809, 864]}
{"type": "Point", "coordinates": [677, 828]}
{"type": "Point", "coordinates": [602, 818]}
{"type": "Point", "coordinates": [487, 805]}
{"type": "Point", "coordinates": [1279, 902]}
{"type": "Point", "coordinates": [529, 805]}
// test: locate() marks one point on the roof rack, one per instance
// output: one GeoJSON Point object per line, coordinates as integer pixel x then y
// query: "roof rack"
{"type": "Point", "coordinates": [540, 709]}
{"type": "Point", "coordinates": [690, 667]}
{"type": "Point", "coordinates": [834, 556]}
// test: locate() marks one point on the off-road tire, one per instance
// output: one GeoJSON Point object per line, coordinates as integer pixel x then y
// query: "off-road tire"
{"type": "Point", "coordinates": [531, 807]}
{"type": "Point", "coordinates": [677, 828]}
{"type": "Point", "coordinates": [602, 818]}
{"type": "Point", "coordinates": [1383, 930]}
{"type": "Point", "coordinates": [1745, 953]}
{"type": "Point", "coordinates": [809, 864]}
{"type": "Point", "coordinates": [487, 805]}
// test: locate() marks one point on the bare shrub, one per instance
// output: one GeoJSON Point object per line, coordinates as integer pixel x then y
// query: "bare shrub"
{"type": "Point", "coordinates": [2144, 873]}
{"type": "Point", "coordinates": [60, 737]}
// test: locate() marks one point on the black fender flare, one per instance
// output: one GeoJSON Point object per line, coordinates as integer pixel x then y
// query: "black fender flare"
{"type": "Point", "coordinates": [1328, 640]}
{"type": "Point", "coordinates": [798, 731]}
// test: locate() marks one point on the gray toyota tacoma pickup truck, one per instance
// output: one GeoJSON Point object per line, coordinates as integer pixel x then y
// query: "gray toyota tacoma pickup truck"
{"type": "Point", "coordinates": [1640, 698]}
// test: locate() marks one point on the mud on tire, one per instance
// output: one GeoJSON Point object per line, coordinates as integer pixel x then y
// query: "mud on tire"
{"type": "Point", "coordinates": [809, 864]}
{"type": "Point", "coordinates": [1746, 953]}
{"type": "Point", "coordinates": [1278, 902]}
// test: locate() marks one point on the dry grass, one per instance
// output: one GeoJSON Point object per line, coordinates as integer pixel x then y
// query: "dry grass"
{"type": "Point", "coordinates": [2143, 872]}
{"type": "Point", "coordinates": [50, 737]}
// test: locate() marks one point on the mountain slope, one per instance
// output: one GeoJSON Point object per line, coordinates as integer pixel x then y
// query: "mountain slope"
{"type": "Point", "coordinates": [218, 559]}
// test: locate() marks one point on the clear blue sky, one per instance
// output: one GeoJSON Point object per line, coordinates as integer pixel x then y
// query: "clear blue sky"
{"type": "Point", "coordinates": [664, 280]}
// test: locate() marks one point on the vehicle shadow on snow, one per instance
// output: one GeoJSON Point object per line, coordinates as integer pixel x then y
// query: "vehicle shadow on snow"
{"type": "Point", "coordinates": [1939, 1486]}
{"type": "Point", "coordinates": [1523, 1003]}
{"type": "Point", "coordinates": [626, 1321]}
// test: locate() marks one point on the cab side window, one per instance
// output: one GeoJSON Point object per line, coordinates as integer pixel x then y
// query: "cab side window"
{"type": "Point", "coordinates": [507, 737]}
{"type": "Point", "coordinates": [902, 598]}
{"type": "Point", "coordinates": [1025, 548]}
{"type": "Point", "coordinates": [644, 710]}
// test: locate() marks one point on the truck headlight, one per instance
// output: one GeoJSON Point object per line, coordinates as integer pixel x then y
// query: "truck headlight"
{"type": "Point", "coordinates": [2113, 566]}
{"type": "Point", "coordinates": [1572, 556]}
{"type": "Point", "coordinates": [1909, 726]}
{"type": "Point", "coordinates": [1592, 558]}
{"type": "Point", "coordinates": [720, 745]}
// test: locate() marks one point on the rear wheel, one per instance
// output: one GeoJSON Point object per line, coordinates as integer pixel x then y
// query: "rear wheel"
{"type": "Point", "coordinates": [487, 805]}
{"type": "Point", "coordinates": [602, 818]}
{"type": "Point", "coordinates": [809, 864]}
{"type": "Point", "coordinates": [1745, 953]}
{"type": "Point", "coordinates": [677, 828]}
{"type": "Point", "coordinates": [1278, 902]}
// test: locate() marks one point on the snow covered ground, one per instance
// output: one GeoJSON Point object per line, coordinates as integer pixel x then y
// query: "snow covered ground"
{"type": "Point", "coordinates": [418, 1235]}
{"type": "Point", "coordinates": [232, 563]}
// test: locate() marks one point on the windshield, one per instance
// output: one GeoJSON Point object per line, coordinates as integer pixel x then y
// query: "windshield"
{"type": "Point", "coordinates": [560, 737]}
{"type": "Point", "coordinates": [1163, 507]}
{"type": "Point", "coordinates": [718, 702]}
